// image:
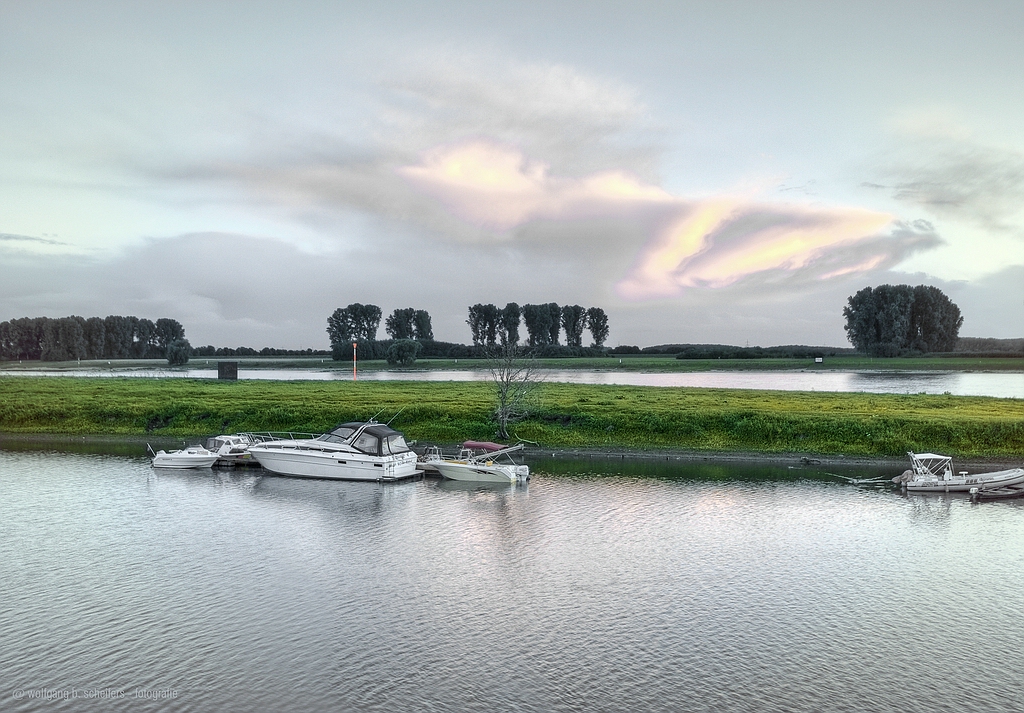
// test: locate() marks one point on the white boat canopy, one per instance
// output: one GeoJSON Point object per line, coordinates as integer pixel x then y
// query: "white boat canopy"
{"type": "Point", "coordinates": [931, 465]}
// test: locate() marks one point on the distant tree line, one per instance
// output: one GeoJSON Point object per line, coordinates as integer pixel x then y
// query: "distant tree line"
{"type": "Point", "coordinates": [726, 351]}
{"type": "Point", "coordinates": [212, 351]}
{"type": "Point", "coordinates": [68, 338]}
{"type": "Point", "coordinates": [722, 351]}
{"type": "Point", "coordinates": [892, 320]}
{"type": "Point", "coordinates": [989, 347]}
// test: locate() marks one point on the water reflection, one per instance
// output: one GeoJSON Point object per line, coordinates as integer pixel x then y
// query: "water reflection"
{"type": "Point", "coordinates": [708, 469]}
{"type": "Point", "coordinates": [713, 586]}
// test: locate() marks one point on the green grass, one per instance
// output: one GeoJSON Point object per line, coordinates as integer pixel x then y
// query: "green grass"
{"type": "Point", "coordinates": [565, 415]}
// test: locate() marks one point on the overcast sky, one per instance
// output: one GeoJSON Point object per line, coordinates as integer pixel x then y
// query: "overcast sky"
{"type": "Point", "coordinates": [704, 171]}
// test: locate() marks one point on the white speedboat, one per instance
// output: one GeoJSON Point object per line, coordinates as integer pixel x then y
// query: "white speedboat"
{"type": "Point", "coordinates": [350, 451]}
{"type": "Point", "coordinates": [933, 473]}
{"type": "Point", "coordinates": [478, 461]}
{"type": "Point", "coordinates": [190, 457]}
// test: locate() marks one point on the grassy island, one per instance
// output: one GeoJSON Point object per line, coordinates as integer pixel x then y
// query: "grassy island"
{"type": "Point", "coordinates": [564, 415]}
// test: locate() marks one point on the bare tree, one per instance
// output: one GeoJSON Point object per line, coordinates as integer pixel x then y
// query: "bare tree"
{"type": "Point", "coordinates": [515, 378]}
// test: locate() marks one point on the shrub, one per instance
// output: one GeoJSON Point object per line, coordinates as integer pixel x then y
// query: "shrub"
{"type": "Point", "coordinates": [178, 352]}
{"type": "Point", "coordinates": [402, 352]}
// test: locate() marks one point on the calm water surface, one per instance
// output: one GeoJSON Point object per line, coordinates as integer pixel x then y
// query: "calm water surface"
{"type": "Point", "coordinates": [999, 384]}
{"type": "Point", "coordinates": [709, 588]}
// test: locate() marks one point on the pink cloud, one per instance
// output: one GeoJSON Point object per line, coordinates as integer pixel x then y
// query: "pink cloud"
{"type": "Point", "coordinates": [709, 243]}
{"type": "Point", "coordinates": [494, 186]}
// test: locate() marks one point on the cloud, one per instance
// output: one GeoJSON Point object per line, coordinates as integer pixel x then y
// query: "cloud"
{"type": "Point", "coordinates": [708, 243]}
{"type": "Point", "coordinates": [724, 241]}
{"type": "Point", "coordinates": [578, 122]}
{"type": "Point", "coordinates": [961, 179]}
{"type": "Point", "coordinates": [497, 187]}
{"type": "Point", "coordinates": [9, 237]}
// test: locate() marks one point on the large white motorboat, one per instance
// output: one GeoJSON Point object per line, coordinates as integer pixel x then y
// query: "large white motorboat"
{"type": "Point", "coordinates": [933, 473]}
{"type": "Point", "coordinates": [478, 461]}
{"type": "Point", "coordinates": [190, 457]}
{"type": "Point", "coordinates": [350, 451]}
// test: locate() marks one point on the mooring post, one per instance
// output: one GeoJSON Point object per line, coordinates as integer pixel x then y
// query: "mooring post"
{"type": "Point", "coordinates": [353, 361]}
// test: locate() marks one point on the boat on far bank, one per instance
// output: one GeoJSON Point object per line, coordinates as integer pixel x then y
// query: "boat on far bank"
{"type": "Point", "coordinates": [933, 473]}
{"type": "Point", "coordinates": [189, 457]}
{"type": "Point", "coordinates": [478, 461]}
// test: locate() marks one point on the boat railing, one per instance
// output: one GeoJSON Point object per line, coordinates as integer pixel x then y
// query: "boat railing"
{"type": "Point", "coordinates": [267, 436]}
{"type": "Point", "coordinates": [492, 455]}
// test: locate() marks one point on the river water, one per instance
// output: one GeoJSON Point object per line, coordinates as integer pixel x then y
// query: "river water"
{"type": "Point", "coordinates": [710, 587]}
{"type": "Point", "coordinates": [999, 384]}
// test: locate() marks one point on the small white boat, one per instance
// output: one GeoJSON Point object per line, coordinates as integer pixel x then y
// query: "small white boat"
{"type": "Point", "coordinates": [232, 450]}
{"type": "Point", "coordinates": [190, 457]}
{"type": "Point", "coordinates": [933, 473]}
{"type": "Point", "coordinates": [350, 451]}
{"type": "Point", "coordinates": [478, 461]}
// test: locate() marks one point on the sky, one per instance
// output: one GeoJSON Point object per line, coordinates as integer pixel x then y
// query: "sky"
{"type": "Point", "coordinates": [706, 172]}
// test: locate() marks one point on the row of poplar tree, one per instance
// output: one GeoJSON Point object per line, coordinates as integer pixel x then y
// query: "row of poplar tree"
{"type": "Point", "coordinates": [67, 338]}
{"type": "Point", "coordinates": [488, 325]}
{"type": "Point", "coordinates": [544, 322]}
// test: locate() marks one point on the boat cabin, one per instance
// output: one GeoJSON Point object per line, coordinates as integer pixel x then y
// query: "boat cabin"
{"type": "Point", "coordinates": [374, 439]}
{"type": "Point", "coordinates": [233, 443]}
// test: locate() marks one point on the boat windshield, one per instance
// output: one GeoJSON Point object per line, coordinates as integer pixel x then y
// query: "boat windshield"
{"type": "Point", "coordinates": [338, 435]}
{"type": "Point", "coordinates": [368, 443]}
{"type": "Point", "coordinates": [395, 444]}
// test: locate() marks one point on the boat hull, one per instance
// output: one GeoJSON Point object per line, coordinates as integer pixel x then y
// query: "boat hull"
{"type": "Point", "coordinates": [181, 462]}
{"type": "Point", "coordinates": [479, 472]}
{"type": "Point", "coordinates": [964, 484]}
{"type": "Point", "coordinates": [297, 463]}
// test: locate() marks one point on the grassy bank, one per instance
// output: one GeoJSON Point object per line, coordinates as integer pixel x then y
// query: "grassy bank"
{"type": "Point", "coordinates": [565, 415]}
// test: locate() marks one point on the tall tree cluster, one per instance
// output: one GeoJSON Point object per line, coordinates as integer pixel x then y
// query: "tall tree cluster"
{"type": "Point", "coordinates": [357, 322]}
{"type": "Point", "coordinates": [544, 322]}
{"type": "Point", "coordinates": [890, 320]}
{"type": "Point", "coordinates": [67, 338]}
{"type": "Point", "coordinates": [483, 324]}
{"type": "Point", "coordinates": [409, 323]}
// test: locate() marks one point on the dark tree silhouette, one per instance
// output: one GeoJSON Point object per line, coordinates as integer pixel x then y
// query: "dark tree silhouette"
{"type": "Point", "coordinates": [421, 328]}
{"type": "Point", "coordinates": [167, 331]}
{"type": "Point", "coordinates": [403, 352]}
{"type": "Point", "coordinates": [119, 333]}
{"type": "Point", "coordinates": [95, 335]}
{"type": "Point", "coordinates": [508, 328]}
{"type": "Point", "coordinates": [574, 321]}
{"type": "Point", "coordinates": [597, 323]}
{"type": "Point", "coordinates": [401, 323]}
{"type": "Point", "coordinates": [483, 324]}
{"type": "Point", "coordinates": [556, 320]}
{"type": "Point", "coordinates": [538, 324]}
{"type": "Point", "coordinates": [144, 339]}
{"type": "Point", "coordinates": [355, 323]}
{"type": "Point", "coordinates": [178, 352]}
{"type": "Point", "coordinates": [890, 320]}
